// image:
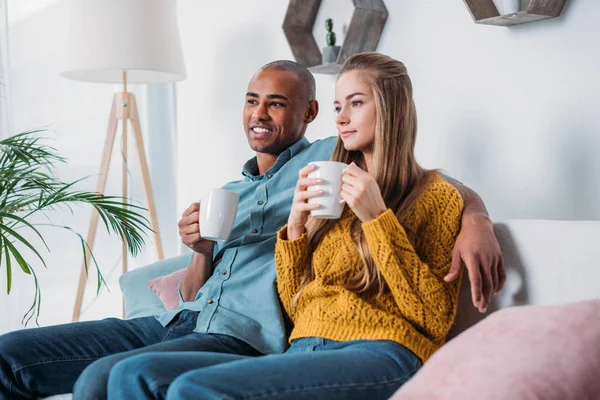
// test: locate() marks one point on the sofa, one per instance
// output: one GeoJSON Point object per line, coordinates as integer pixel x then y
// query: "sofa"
{"type": "Point", "coordinates": [540, 339]}
{"type": "Point", "coordinates": [547, 263]}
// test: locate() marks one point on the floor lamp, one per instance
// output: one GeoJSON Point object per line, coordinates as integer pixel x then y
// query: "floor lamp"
{"type": "Point", "coordinates": [123, 42]}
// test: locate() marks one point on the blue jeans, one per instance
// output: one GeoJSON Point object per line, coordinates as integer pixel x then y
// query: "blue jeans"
{"type": "Point", "coordinates": [311, 369]}
{"type": "Point", "coordinates": [78, 357]}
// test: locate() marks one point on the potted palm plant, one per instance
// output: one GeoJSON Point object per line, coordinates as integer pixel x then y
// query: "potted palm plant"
{"type": "Point", "coordinates": [29, 187]}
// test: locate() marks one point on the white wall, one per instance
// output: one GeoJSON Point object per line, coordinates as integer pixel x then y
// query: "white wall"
{"type": "Point", "coordinates": [512, 112]}
{"type": "Point", "coordinates": [4, 122]}
{"type": "Point", "coordinates": [3, 107]}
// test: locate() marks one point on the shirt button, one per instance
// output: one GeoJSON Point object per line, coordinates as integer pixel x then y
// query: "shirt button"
{"type": "Point", "coordinates": [210, 302]}
{"type": "Point", "coordinates": [270, 176]}
{"type": "Point", "coordinates": [254, 231]}
{"type": "Point", "coordinates": [260, 202]}
{"type": "Point", "coordinates": [224, 272]}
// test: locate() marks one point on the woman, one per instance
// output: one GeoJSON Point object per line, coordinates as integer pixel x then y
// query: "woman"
{"type": "Point", "coordinates": [365, 293]}
{"type": "Point", "coordinates": [371, 283]}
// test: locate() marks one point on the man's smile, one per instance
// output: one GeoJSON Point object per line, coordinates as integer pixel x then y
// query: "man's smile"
{"type": "Point", "coordinates": [260, 131]}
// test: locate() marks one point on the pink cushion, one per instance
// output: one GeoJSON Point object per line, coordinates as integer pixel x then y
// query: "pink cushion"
{"type": "Point", "coordinates": [166, 287]}
{"type": "Point", "coordinates": [530, 352]}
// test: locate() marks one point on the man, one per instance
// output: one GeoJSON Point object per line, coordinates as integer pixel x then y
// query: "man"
{"type": "Point", "coordinates": [229, 300]}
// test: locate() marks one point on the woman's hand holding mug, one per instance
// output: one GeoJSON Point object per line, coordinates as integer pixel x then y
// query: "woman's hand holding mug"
{"type": "Point", "coordinates": [362, 194]}
{"type": "Point", "coordinates": [300, 207]}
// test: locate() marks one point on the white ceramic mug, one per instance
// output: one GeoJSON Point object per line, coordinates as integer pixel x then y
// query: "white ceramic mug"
{"type": "Point", "coordinates": [330, 201]}
{"type": "Point", "coordinates": [218, 209]}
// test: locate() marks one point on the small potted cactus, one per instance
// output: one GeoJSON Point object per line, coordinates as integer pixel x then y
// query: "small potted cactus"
{"type": "Point", "coordinates": [331, 52]}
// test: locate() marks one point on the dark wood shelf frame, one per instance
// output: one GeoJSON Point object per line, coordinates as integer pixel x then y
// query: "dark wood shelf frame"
{"type": "Point", "coordinates": [364, 32]}
{"type": "Point", "coordinates": [485, 12]}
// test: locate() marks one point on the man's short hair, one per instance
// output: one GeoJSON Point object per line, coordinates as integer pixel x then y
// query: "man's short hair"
{"type": "Point", "coordinates": [304, 75]}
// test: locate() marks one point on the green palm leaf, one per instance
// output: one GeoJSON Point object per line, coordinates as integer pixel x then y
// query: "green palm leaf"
{"type": "Point", "coordinates": [19, 220]}
{"type": "Point", "coordinates": [29, 186]}
{"type": "Point", "coordinates": [8, 269]}
{"type": "Point", "coordinates": [22, 240]}
{"type": "Point", "coordinates": [17, 255]}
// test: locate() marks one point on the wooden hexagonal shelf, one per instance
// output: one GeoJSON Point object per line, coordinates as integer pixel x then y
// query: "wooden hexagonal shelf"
{"type": "Point", "coordinates": [366, 26]}
{"type": "Point", "coordinates": [485, 12]}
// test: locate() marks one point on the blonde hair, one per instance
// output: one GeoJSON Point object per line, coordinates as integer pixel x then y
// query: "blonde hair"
{"type": "Point", "coordinates": [394, 166]}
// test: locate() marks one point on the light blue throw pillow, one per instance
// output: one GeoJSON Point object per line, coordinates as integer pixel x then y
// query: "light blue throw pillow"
{"type": "Point", "coordinates": [140, 300]}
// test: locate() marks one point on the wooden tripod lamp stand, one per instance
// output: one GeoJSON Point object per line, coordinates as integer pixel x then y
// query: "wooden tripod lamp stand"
{"type": "Point", "coordinates": [123, 41]}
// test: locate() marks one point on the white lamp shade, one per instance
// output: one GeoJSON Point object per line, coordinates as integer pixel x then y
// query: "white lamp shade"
{"type": "Point", "coordinates": [109, 37]}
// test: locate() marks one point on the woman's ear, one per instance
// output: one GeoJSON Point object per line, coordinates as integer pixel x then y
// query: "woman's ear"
{"type": "Point", "coordinates": [311, 111]}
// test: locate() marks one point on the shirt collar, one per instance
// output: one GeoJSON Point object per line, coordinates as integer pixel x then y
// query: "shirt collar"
{"type": "Point", "coordinates": [250, 169]}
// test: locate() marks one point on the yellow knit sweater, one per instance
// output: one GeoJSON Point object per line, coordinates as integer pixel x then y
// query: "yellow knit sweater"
{"type": "Point", "coordinates": [417, 308]}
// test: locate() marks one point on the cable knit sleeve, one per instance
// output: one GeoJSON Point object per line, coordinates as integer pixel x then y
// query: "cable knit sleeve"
{"type": "Point", "coordinates": [290, 256]}
{"type": "Point", "coordinates": [415, 276]}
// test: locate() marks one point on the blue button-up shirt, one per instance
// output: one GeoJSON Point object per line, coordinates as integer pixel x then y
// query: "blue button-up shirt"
{"type": "Point", "coordinates": [240, 298]}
